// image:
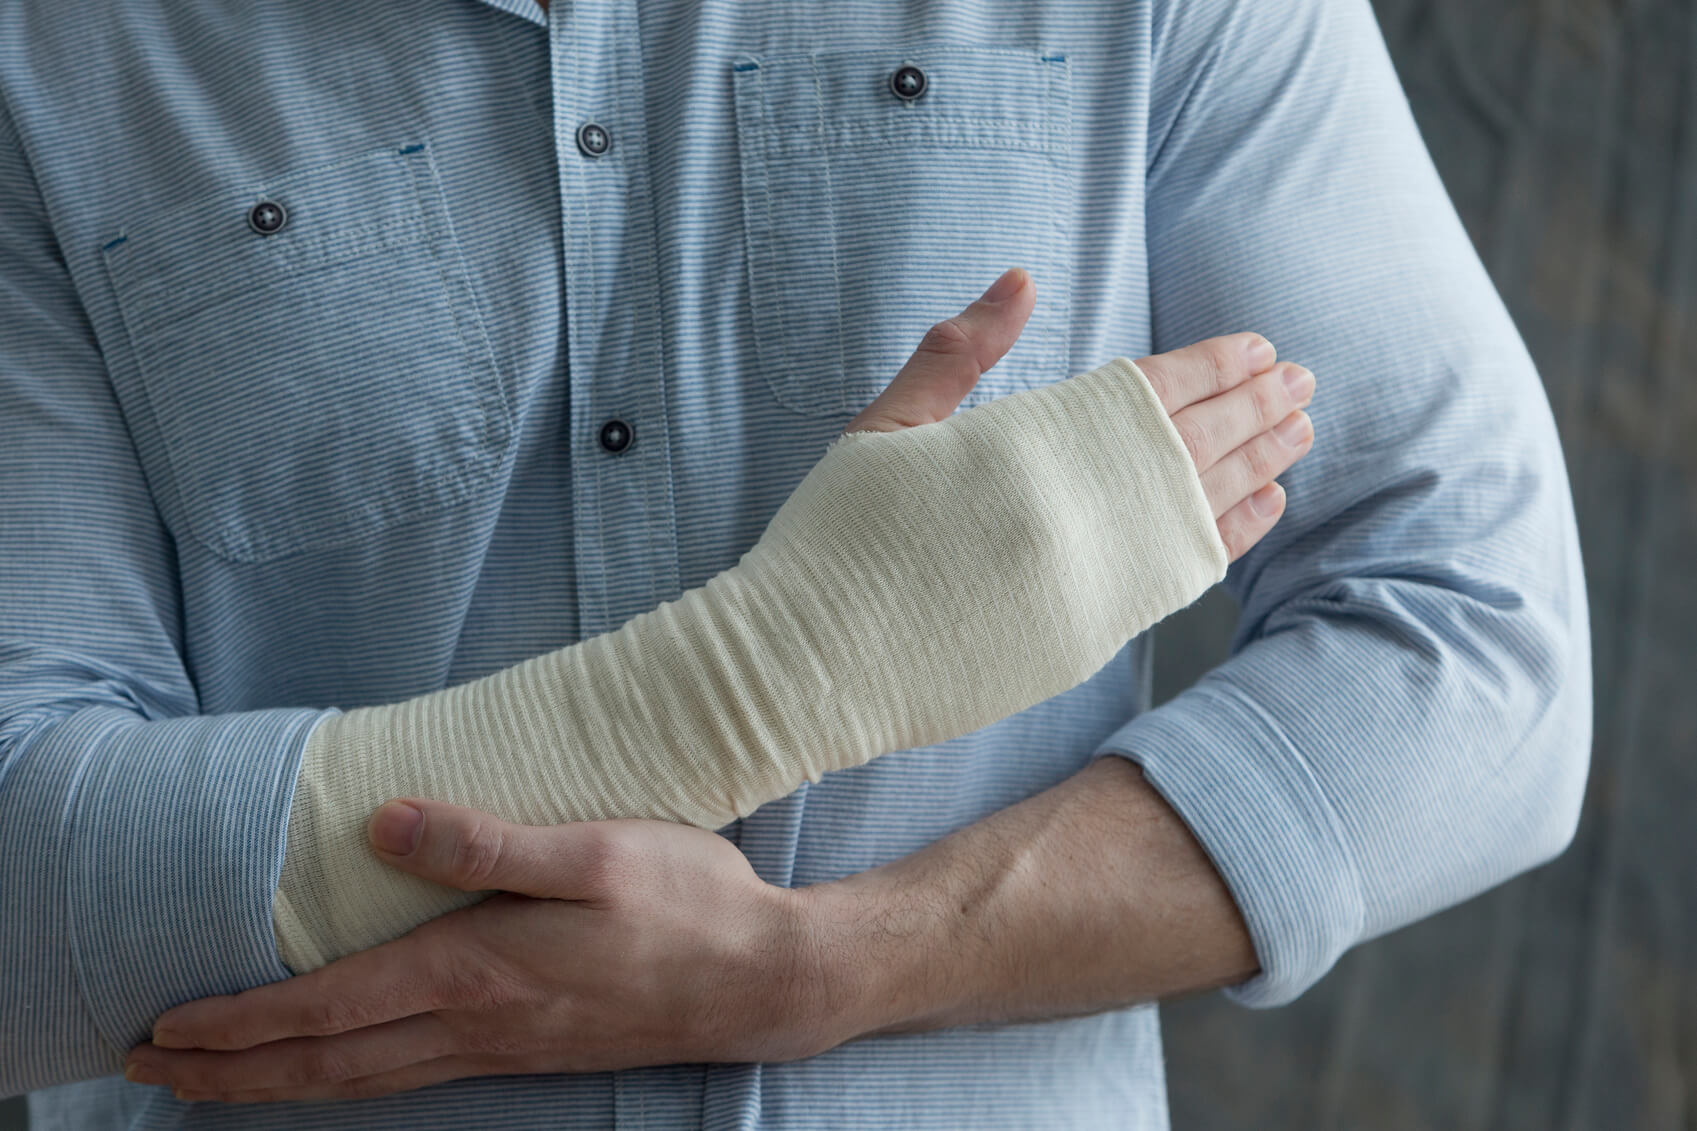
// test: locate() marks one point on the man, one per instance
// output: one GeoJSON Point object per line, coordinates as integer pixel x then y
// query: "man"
{"type": "Point", "coordinates": [562, 363]}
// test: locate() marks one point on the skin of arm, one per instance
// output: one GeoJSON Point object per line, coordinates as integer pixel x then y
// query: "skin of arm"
{"type": "Point", "coordinates": [1091, 895]}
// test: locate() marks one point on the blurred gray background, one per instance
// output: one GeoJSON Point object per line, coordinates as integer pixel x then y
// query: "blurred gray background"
{"type": "Point", "coordinates": [1566, 1000]}
{"type": "Point", "coordinates": [1566, 131]}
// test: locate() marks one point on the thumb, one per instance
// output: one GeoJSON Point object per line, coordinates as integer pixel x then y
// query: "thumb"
{"type": "Point", "coordinates": [953, 355]}
{"type": "Point", "coordinates": [468, 849]}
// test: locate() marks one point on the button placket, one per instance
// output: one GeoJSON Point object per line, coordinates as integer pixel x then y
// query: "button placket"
{"type": "Point", "coordinates": [625, 522]}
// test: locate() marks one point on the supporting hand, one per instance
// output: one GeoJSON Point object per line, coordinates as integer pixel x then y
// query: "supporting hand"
{"type": "Point", "coordinates": [647, 943]}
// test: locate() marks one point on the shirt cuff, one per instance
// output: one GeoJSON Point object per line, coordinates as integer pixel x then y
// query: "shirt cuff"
{"type": "Point", "coordinates": [1225, 767]}
{"type": "Point", "coordinates": [175, 838]}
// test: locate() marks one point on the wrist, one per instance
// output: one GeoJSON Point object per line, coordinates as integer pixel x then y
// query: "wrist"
{"type": "Point", "coordinates": [843, 987]}
{"type": "Point", "coordinates": [878, 955]}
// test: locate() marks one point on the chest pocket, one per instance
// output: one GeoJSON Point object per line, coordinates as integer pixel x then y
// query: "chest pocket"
{"type": "Point", "coordinates": [317, 371]}
{"type": "Point", "coordinates": [870, 215]}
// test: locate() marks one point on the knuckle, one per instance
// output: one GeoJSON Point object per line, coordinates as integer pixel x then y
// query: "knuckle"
{"type": "Point", "coordinates": [477, 853]}
{"type": "Point", "coordinates": [1224, 365]}
{"type": "Point", "coordinates": [323, 1066]}
{"type": "Point", "coordinates": [1259, 461]}
{"type": "Point", "coordinates": [1195, 437]}
{"type": "Point", "coordinates": [600, 856]}
{"type": "Point", "coordinates": [947, 337]}
{"type": "Point", "coordinates": [497, 1041]}
{"type": "Point", "coordinates": [450, 978]}
{"type": "Point", "coordinates": [1268, 397]}
{"type": "Point", "coordinates": [328, 1017]}
{"type": "Point", "coordinates": [486, 989]}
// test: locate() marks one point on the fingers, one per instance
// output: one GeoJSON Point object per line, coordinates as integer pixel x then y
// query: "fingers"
{"type": "Point", "coordinates": [1248, 522]}
{"type": "Point", "coordinates": [1185, 376]}
{"type": "Point", "coordinates": [468, 849]}
{"type": "Point", "coordinates": [296, 1062]}
{"type": "Point", "coordinates": [385, 983]}
{"type": "Point", "coordinates": [406, 1079]}
{"type": "Point", "coordinates": [1257, 463]}
{"type": "Point", "coordinates": [1222, 424]}
{"type": "Point", "coordinates": [953, 355]}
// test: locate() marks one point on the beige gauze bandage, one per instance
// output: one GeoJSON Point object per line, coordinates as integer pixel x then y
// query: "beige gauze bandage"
{"type": "Point", "coordinates": [917, 586]}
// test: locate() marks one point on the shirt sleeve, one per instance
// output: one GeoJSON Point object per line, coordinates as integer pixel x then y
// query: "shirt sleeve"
{"type": "Point", "coordinates": [1405, 718]}
{"type": "Point", "coordinates": [139, 840]}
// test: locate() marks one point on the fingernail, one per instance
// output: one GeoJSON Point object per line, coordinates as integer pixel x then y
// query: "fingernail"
{"type": "Point", "coordinates": [1260, 354]}
{"type": "Point", "coordinates": [138, 1073]}
{"type": "Point", "coordinates": [1299, 383]}
{"type": "Point", "coordinates": [1005, 286]}
{"type": "Point", "coordinates": [1292, 431]}
{"type": "Point", "coordinates": [395, 828]}
{"type": "Point", "coordinates": [1265, 502]}
{"type": "Point", "coordinates": [168, 1039]}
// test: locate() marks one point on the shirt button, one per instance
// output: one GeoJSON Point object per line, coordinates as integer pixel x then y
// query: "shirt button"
{"type": "Point", "coordinates": [616, 436]}
{"type": "Point", "coordinates": [907, 83]}
{"type": "Point", "coordinates": [593, 139]}
{"type": "Point", "coordinates": [267, 217]}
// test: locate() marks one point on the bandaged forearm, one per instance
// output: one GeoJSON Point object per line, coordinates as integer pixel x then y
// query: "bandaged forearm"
{"type": "Point", "coordinates": [918, 585]}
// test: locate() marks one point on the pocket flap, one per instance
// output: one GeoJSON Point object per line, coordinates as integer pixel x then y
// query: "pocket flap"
{"type": "Point", "coordinates": [974, 96]}
{"type": "Point", "coordinates": [337, 211]}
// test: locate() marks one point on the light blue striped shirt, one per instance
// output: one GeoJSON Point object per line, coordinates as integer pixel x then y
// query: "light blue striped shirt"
{"type": "Point", "coordinates": [246, 478]}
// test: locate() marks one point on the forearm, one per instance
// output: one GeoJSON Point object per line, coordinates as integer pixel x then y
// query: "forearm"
{"type": "Point", "coordinates": [1092, 895]}
{"type": "Point", "coordinates": [1046, 528]}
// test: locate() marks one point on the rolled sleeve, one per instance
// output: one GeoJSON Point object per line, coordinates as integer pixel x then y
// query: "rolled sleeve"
{"type": "Point", "coordinates": [142, 860]}
{"type": "Point", "coordinates": [1382, 751]}
{"type": "Point", "coordinates": [1246, 793]}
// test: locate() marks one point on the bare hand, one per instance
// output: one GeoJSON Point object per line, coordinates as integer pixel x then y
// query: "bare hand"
{"type": "Point", "coordinates": [648, 943]}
